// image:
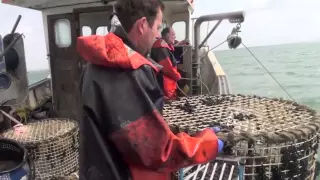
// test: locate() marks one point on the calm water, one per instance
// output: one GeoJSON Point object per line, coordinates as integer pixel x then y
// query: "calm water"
{"type": "Point", "coordinates": [295, 66]}
{"type": "Point", "coordinates": [35, 76]}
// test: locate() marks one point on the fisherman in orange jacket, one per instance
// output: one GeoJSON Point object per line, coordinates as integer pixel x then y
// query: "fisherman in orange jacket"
{"type": "Point", "coordinates": [162, 52]}
{"type": "Point", "coordinates": [122, 134]}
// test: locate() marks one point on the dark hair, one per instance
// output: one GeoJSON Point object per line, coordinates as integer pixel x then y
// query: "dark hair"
{"type": "Point", "coordinates": [165, 31]}
{"type": "Point", "coordinates": [129, 11]}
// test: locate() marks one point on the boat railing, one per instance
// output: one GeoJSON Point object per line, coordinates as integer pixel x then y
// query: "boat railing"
{"type": "Point", "coordinates": [39, 83]}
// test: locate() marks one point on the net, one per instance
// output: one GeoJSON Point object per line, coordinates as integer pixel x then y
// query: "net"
{"type": "Point", "coordinates": [53, 145]}
{"type": "Point", "coordinates": [275, 137]}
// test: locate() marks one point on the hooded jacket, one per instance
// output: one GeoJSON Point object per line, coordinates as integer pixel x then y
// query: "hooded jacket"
{"type": "Point", "coordinates": [162, 53]}
{"type": "Point", "coordinates": [122, 134]}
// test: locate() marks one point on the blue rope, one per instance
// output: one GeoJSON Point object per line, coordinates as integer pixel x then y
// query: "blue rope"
{"type": "Point", "coordinates": [181, 174]}
{"type": "Point", "coordinates": [241, 169]}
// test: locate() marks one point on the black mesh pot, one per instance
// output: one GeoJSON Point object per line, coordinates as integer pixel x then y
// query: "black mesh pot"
{"type": "Point", "coordinates": [14, 161]}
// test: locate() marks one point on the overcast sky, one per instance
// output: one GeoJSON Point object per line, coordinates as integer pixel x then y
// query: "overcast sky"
{"type": "Point", "coordinates": [267, 22]}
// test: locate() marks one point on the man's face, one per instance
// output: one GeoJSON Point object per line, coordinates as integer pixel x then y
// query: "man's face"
{"type": "Point", "coordinates": [149, 34]}
{"type": "Point", "coordinates": [171, 36]}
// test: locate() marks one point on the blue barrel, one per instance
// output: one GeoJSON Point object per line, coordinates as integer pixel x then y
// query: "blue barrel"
{"type": "Point", "coordinates": [14, 161]}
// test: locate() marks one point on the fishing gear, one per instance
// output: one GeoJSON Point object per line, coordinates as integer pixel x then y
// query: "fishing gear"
{"type": "Point", "coordinates": [269, 134]}
{"type": "Point", "coordinates": [51, 143]}
{"type": "Point", "coordinates": [233, 39]}
{"type": "Point", "coordinates": [15, 162]}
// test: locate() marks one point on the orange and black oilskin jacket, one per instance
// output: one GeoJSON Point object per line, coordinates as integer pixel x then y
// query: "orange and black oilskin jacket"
{"type": "Point", "coordinates": [162, 53]}
{"type": "Point", "coordinates": [120, 100]}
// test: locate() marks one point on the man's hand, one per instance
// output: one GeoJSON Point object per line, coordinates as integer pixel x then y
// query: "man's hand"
{"type": "Point", "coordinates": [217, 129]}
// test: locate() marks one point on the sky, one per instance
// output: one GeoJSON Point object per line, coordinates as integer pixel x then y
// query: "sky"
{"type": "Point", "coordinates": [267, 22]}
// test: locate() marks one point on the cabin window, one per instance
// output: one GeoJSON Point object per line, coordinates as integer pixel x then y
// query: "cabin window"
{"type": "Point", "coordinates": [180, 29]}
{"type": "Point", "coordinates": [62, 32]}
{"type": "Point", "coordinates": [86, 31]}
{"type": "Point", "coordinates": [102, 30]}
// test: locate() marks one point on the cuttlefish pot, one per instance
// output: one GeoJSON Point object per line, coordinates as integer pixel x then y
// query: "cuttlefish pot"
{"type": "Point", "coordinates": [277, 138]}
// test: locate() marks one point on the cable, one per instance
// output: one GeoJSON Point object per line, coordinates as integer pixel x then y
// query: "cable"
{"type": "Point", "coordinates": [213, 48]}
{"type": "Point", "coordinates": [199, 74]}
{"type": "Point", "coordinates": [181, 90]}
{"type": "Point", "coordinates": [256, 60]}
{"type": "Point", "coordinates": [5, 103]}
{"type": "Point", "coordinates": [208, 23]}
{"type": "Point", "coordinates": [267, 71]}
{"type": "Point", "coordinates": [201, 82]}
{"type": "Point", "coordinates": [204, 85]}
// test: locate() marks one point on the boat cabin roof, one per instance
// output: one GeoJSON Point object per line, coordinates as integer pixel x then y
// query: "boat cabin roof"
{"type": "Point", "coordinates": [174, 6]}
{"type": "Point", "coordinates": [177, 12]}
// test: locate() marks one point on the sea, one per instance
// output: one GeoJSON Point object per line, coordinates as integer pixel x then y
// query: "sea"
{"type": "Point", "coordinates": [295, 66]}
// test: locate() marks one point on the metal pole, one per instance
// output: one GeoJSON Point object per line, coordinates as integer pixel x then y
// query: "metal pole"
{"type": "Point", "coordinates": [232, 16]}
{"type": "Point", "coordinates": [16, 25]}
{"type": "Point", "coordinates": [210, 33]}
{"type": "Point", "coordinates": [10, 117]}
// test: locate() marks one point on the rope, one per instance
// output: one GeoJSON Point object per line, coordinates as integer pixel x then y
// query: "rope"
{"type": "Point", "coordinates": [5, 102]}
{"type": "Point", "coordinates": [255, 57]}
{"type": "Point", "coordinates": [208, 23]}
{"type": "Point", "coordinates": [213, 48]}
{"type": "Point", "coordinates": [201, 82]}
{"type": "Point", "coordinates": [267, 71]}
{"type": "Point", "coordinates": [181, 90]}
{"type": "Point", "coordinates": [303, 132]}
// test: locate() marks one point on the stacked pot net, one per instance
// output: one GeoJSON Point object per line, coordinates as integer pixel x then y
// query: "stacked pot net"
{"type": "Point", "coordinates": [277, 139]}
{"type": "Point", "coordinates": [52, 144]}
